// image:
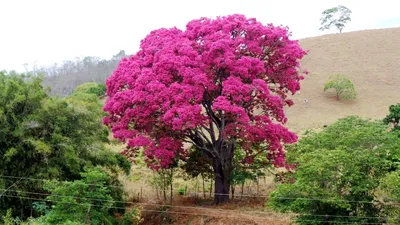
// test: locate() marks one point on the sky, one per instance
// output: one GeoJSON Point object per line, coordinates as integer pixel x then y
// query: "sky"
{"type": "Point", "coordinates": [45, 32]}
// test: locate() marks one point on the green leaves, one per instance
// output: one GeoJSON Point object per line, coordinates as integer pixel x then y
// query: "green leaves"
{"type": "Point", "coordinates": [46, 138]}
{"type": "Point", "coordinates": [338, 171]}
{"type": "Point", "coordinates": [343, 87]}
{"type": "Point", "coordinates": [394, 117]}
{"type": "Point", "coordinates": [86, 201]}
{"type": "Point", "coordinates": [336, 16]}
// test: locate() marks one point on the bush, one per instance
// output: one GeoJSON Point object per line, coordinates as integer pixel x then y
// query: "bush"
{"type": "Point", "coordinates": [394, 117]}
{"type": "Point", "coordinates": [342, 86]}
{"type": "Point", "coordinates": [99, 90]}
{"type": "Point", "coordinates": [338, 170]}
{"type": "Point", "coordinates": [88, 200]}
{"type": "Point", "coordinates": [47, 138]}
{"type": "Point", "coordinates": [389, 193]}
{"type": "Point", "coordinates": [133, 217]}
{"type": "Point", "coordinates": [182, 191]}
{"type": "Point", "coordinates": [91, 88]}
{"type": "Point", "coordinates": [85, 87]}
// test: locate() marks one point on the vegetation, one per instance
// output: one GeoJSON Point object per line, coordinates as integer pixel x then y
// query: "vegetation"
{"type": "Point", "coordinates": [394, 117]}
{"type": "Point", "coordinates": [87, 201]}
{"type": "Point", "coordinates": [207, 102]}
{"type": "Point", "coordinates": [65, 77]}
{"type": "Point", "coordinates": [338, 171]}
{"type": "Point", "coordinates": [342, 86]}
{"type": "Point", "coordinates": [44, 138]}
{"type": "Point", "coordinates": [335, 17]}
{"type": "Point", "coordinates": [173, 97]}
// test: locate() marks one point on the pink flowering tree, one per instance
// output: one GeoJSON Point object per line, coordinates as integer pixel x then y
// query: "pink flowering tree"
{"type": "Point", "coordinates": [218, 84]}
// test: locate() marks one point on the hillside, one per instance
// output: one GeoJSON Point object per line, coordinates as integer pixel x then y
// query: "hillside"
{"type": "Point", "coordinates": [370, 59]}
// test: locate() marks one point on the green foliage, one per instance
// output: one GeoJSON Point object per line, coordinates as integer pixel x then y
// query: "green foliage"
{"type": "Point", "coordinates": [389, 192]}
{"type": "Point", "coordinates": [243, 171]}
{"type": "Point", "coordinates": [86, 201]}
{"type": "Point", "coordinates": [338, 171]}
{"type": "Point", "coordinates": [181, 191]}
{"type": "Point", "coordinates": [198, 164]}
{"type": "Point", "coordinates": [85, 87]}
{"type": "Point", "coordinates": [343, 87]}
{"type": "Point", "coordinates": [91, 88]}
{"type": "Point", "coordinates": [100, 90]}
{"type": "Point", "coordinates": [8, 219]}
{"type": "Point", "coordinates": [46, 138]}
{"type": "Point", "coordinates": [394, 117]}
{"type": "Point", "coordinates": [133, 217]}
{"type": "Point", "coordinates": [335, 17]}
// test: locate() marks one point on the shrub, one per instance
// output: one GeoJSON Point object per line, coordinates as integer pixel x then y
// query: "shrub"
{"type": "Point", "coordinates": [342, 86]}
{"type": "Point", "coordinates": [182, 191]}
{"type": "Point", "coordinates": [338, 170]}
{"type": "Point", "coordinates": [389, 193]}
{"type": "Point", "coordinates": [87, 200]}
{"type": "Point", "coordinates": [133, 217]}
{"type": "Point", "coordinates": [85, 87]}
{"type": "Point", "coordinates": [394, 117]}
{"type": "Point", "coordinates": [99, 90]}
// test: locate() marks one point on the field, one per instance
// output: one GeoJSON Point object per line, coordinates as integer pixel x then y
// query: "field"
{"type": "Point", "coordinates": [368, 58]}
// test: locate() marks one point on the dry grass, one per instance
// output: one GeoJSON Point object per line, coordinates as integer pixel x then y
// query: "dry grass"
{"type": "Point", "coordinates": [238, 212]}
{"type": "Point", "coordinates": [370, 59]}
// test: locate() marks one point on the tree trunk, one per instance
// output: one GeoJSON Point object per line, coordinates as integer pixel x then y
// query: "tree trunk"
{"type": "Point", "coordinates": [222, 175]}
{"type": "Point", "coordinates": [204, 189]}
{"type": "Point", "coordinates": [211, 186]}
{"type": "Point", "coordinates": [242, 190]}
{"type": "Point", "coordinates": [233, 191]}
{"type": "Point", "coordinates": [171, 178]}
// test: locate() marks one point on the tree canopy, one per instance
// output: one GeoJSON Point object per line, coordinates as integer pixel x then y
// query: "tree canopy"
{"type": "Point", "coordinates": [344, 88]}
{"type": "Point", "coordinates": [394, 117]}
{"type": "Point", "coordinates": [335, 17]}
{"type": "Point", "coordinates": [46, 138]}
{"type": "Point", "coordinates": [338, 173]}
{"type": "Point", "coordinates": [220, 83]}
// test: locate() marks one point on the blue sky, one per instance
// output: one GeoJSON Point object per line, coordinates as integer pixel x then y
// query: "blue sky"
{"type": "Point", "coordinates": [50, 31]}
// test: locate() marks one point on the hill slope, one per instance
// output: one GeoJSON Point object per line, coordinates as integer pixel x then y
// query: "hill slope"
{"type": "Point", "coordinates": [370, 59]}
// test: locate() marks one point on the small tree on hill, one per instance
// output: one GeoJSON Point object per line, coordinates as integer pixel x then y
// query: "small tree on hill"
{"type": "Point", "coordinates": [218, 84]}
{"type": "Point", "coordinates": [343, 87]}
{"type": "Point", "coordinates": [335, 17]}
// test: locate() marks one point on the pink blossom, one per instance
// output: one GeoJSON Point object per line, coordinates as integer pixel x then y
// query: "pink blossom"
{"type": "Point", "coordinates": [232, 72]}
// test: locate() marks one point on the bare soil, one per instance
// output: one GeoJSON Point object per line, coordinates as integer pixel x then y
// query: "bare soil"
{"type": "Point", "coordinates": [369, 58]}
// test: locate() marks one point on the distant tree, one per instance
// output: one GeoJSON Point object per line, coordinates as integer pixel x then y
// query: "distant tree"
{"type": "Point", "coordinates": [335, 17]}
{"type": "Point", "coordinates": [342, 86]}
{"type": "Point", "coordinates": [65, 77]}
{"type": "Point", "coordinates": [220, 83]}
{"type": "Point", "coordinates": [394, 117]}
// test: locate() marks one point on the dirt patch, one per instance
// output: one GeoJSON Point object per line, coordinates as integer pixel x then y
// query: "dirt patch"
{"type": "Point", "coordinates": [370, 59]}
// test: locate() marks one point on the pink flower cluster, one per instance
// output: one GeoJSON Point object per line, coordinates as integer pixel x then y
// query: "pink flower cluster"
{"type": "Point", "coordinates": [244, 69]}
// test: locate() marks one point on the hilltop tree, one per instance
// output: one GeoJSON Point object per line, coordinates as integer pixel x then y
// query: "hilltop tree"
{"type": "Point", "coordinates": [218, 84]}
{"type": "Point", "coordinates": [335, 17]}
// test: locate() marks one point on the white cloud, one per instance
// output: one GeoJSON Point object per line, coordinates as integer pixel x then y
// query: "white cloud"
{"type": "Point", "coordinates": [49, 31]}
